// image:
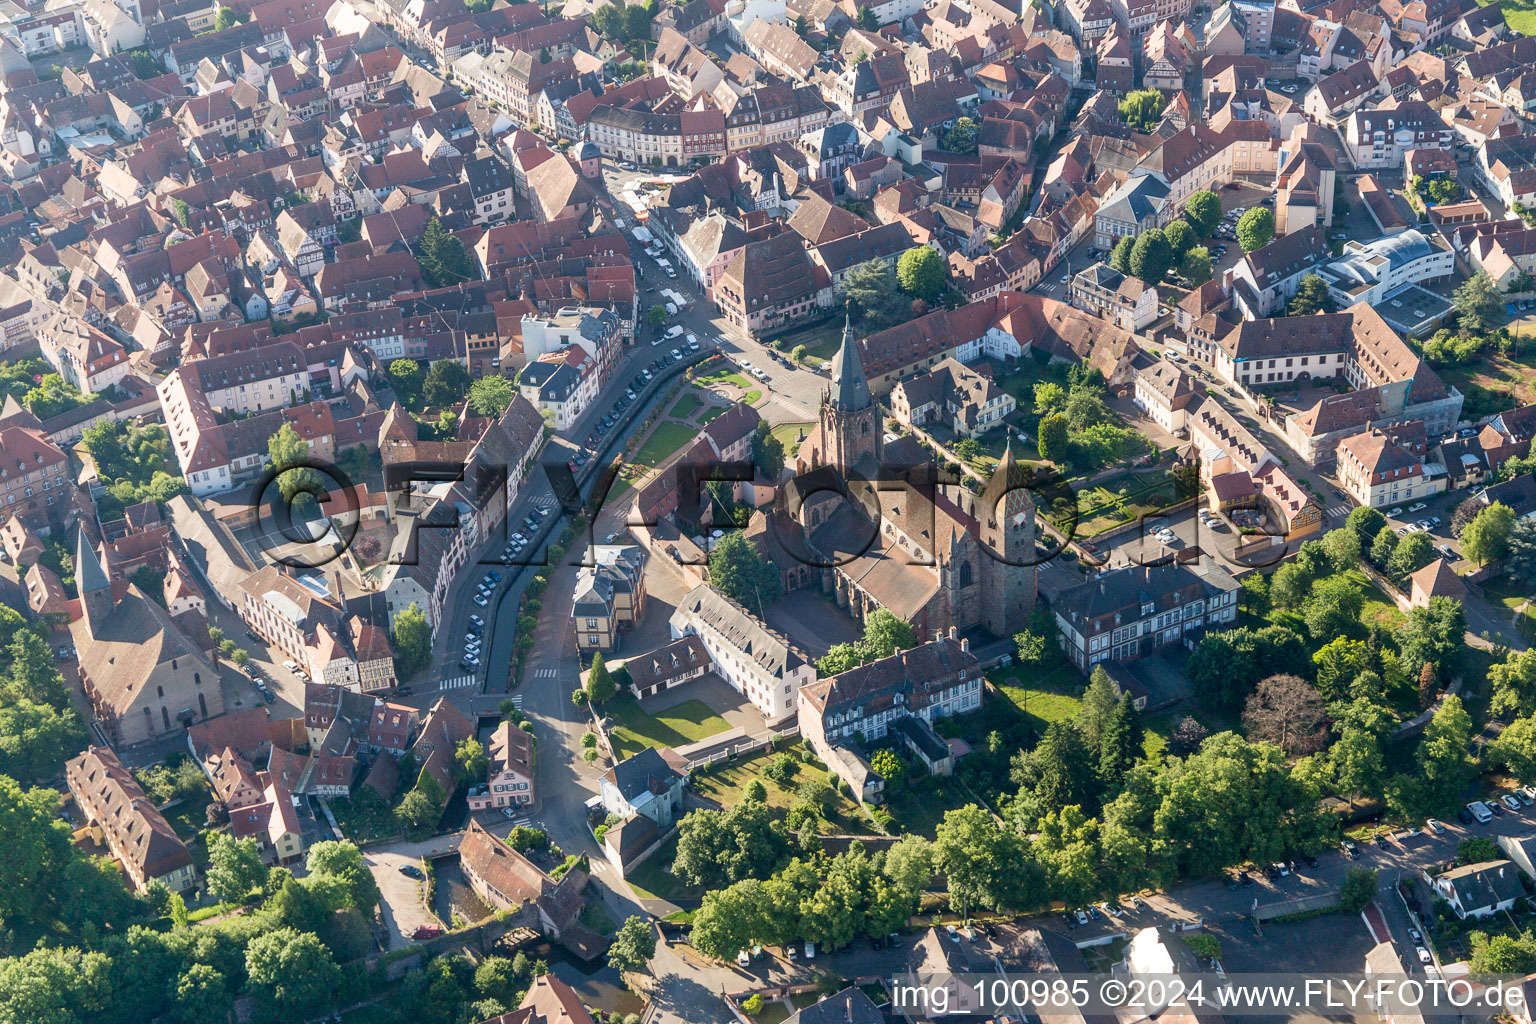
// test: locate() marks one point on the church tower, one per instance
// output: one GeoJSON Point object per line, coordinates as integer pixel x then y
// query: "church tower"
{"type": "Point", "coordinates": [1006, 515]}
{"type": "Point", "coordinates": [850, 419]}
{"type": "Point", "coordinates": [92, 583]}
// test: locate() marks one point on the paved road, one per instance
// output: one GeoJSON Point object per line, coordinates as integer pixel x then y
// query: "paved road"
{"type": "Point", "coordinates": [403, 898]}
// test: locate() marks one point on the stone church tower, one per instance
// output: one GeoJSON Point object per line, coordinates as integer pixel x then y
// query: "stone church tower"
{"type": "Point", "coordinates": [94, 587]}
{"type": "Point", "coordinates": [850, 419]}
{"type": "Point", "coordinates": [1005, 515]}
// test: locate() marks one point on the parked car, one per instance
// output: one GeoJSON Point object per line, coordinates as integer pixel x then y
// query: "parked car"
{"type": "Point", "coordinates": [1424, 957]}
{"type": "Point", "coordinates": [412, 871]}
{"type": "Point", "coordinates": [1395, 512]}
{"type": "Point", "coordinates": [743, 959]}
{"type": "Point", "coordinates": [1511, 801]}
{"type": "Point", "coordinates": [1417, 506]}
{"type": "Point", "coordinates": [1415, 937]}
{"type": "Point", "coordinates": [427, 931]}
{"type": "Point", "coordinates": [1449, 552]}
{"type": "Point", "coordinates": [1435, 826]}
{"type": "Point", "coordinates": [1481, 811]}
{"type": "Point", "coordinates": [1464, 816]}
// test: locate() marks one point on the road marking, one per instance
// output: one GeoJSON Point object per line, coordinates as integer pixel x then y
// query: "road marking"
{"type": "Point", "coordinates": [517, 701]}
{"type": "Point", "coordinates": [1339, 510]}
{"type": "Point", "coordinates": [545, 673]}
{"type": "Point", "coordinates": [457, 683]}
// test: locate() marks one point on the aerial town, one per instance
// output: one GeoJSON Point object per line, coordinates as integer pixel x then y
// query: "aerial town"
{"type": "Point", "coordinates": [694, 512]}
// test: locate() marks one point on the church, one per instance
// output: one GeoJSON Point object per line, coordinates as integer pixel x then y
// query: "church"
{"type": "Point", "coordinates": [868, 520]}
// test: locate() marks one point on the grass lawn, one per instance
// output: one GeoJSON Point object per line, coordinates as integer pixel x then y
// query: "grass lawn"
{"type": "Point", "coordinates": [653, 880]}
{"type": "Point", "coordinates": [726, 785]}
{"type": "Point", "coordinates": [365, 816]}
{"type": "Point", "coordinates": [190, 815]}
{"type": "Point", "coordinates": [709, 414]}
{"type": "Point", "coordinates": [686, 406]}
{"type": "Point", "coordinates": [1123, 498]}
{"type": "Point", "coordinates": [775, 1012]}
{"type": "Point", "coordinates": [1520, 15]}
{"type": "Point", "coordinates": [788, 434]}
{"type": "Point", "coordinates": [752, 397]}
{"type": "Point", "coordinates": [919, 808]}
{"type": "Point", "coordinates": [725, 377]}
{"type": "Point", "coordinates": [1378, 607]}
{"type": "Point", "coordinates": [635, 728]}
{"type": "Point", "coordinates": [820, 343]}
{"type": "Point", "coordinates": [666, 439]}
{"type": "Point", "coordinates": [597, 918]}
{"type": "Point", "coordinates": [1051, 696]}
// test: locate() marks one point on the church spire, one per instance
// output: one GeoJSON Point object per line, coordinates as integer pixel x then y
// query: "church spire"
{"type": "Point", "coordinates": [850, 387]}
{"type": "Point", "coordinates": [92, 583]}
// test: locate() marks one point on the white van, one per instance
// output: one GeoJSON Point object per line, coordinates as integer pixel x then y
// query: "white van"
{"type": "Point", "coordinates": [1480, 811]}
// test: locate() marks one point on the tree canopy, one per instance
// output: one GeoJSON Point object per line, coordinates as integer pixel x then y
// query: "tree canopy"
{"type": "Point", "coordinates": [1255, 228]}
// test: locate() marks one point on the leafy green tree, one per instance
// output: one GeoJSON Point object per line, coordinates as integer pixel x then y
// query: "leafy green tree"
{"type": "Point", "coordinates": [1122, 742]}
{"type": "Point", "coordinates": [767, 451]}
{"type": "Point", "coordinates": [1486, 538]}
{"type": "Point", "coordinates": [1055, 445]}
{"type": "Point", "coordinates": [55, 986]}
{"type": "Point", "coordinates": [1478, 303]}
{"type": "Point", "coordinates": [338, 874]}
{"type": "Point", "coordinates": [32, 675]}
{"type": "Point", "coordinates": [407, 379]}
{"type": "Point", "coordinates": [1444, 765]}
{"type": "Point", "coordinates": [235, 868]}
{"type": "Point", "coordinates": [875, 295]}
{"type": "Point", "coordinates": [1383, 548]}
{"type": "Point", "coordinates": [1333, 608]}
{"type": "Point", "coordinates": [920, 272]}
{"type": "Point", "coordinates": [446, 383]}
{"type": "Point", "coordinates": [470, 760]}
{"type": "Point", "coordinates": [1289, 586]}
{"type": "Point", "coordinates": [289, 455]}
{"type": "Point", "coordinates": [1181, 238]}
{"type": "Point", "coordinates": [412, 641]}
{"type": "Point", "coordinates": [1255, 228]}
{"type": "Point", "coordinates": [1226, 664]}
{"type": "Point", "coordinates": [201, 995]}
{"type": "Point", "coordinates": [1059, 772]}
{"type": "Point", "coordinates": [418, 811]}
{"type": "Point", "coordinates": [292, 972]}
{"type": "Point", "coordinates": [1339, 662]}
{"type": "Point", "coordinates": [490, 396]}
{"type": "Point", "coordinates": [145, 66]}
{"type": "Point", "coordinates": [1142, 109]}
{"type": "Point", "coordinates": [225, 19]}
{"type": "Point", "coordinates": [730, 919]}
{"type": "Point", "coordinates": [1098, 704]}
{"type": "Point", "coordinates": [1151, 256]}
{"type": "Point", "coordinates": [962, 137]}
{"type": "Point", "coordinates": [1196, 266]}
{"type": "Point", "coordinates": [600, 685]}
{"type": "Point", "coordinates": [1359, 769]}
{"type": "Point", "coordinates": [982, 862]}
{"type": "Point", "coordinates": [633, 946]}
{"type": "Point", "coordinates": [885, 634]}
{"type": "Point", "coordinates": [1365, 523]}
{"type": "Point", "coordinates": [1049, 397]}
{"type": "Point", "coordinates": [1343, 549]}
{"type": "Point", "coordinates": [1358, 888]}
{"type": "Point", "coordinates": [1503, 954]}
{"type": "Point", "coordinates": [739, 571]}
{"type": "Point", "coordinates": [1513, 683]}
{"type": "Point", "coordinates": [866, 19]}
{"type": "Point", "coordinates": [888, 766]}
{"type": "Point", "coordinates": [1312, 296]}
{"type": "Point", "coordinates": [1120, 255]}
{"type": "Point", "coordinates": [35, 739]}
{"type": "Point", "coordinates": [1412, 553]}
{"type": "Point", "coordinates": [1067, 847]}
{"type": "Point", "coordinates": [1204, 212]}
{"type": "Point", "coordinates": [717, 848]}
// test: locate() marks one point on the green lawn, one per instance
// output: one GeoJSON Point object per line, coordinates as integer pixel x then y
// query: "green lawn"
{"type": "Point", "coordinates": [726, 785]}
{"type": "Point", "coordinates": [788, 433]}
{"type": "Point", "coordinates": [635, 729]}
{"type": "Point", "coordinates": [686, 406]}
{"type": "Point", "coordinates": [919, 808]}
{"type": "Point", "coordinates": [1520, 15]}
{"type": "Point", "coordinates": [1123, 498]}
{"type": "Point", "coordinates": [653, 881]}
{"type": "Point", "coordinates": [1045, 697]}
{"type": "Point", "coordinates": [1378, 607]}
{"type": "Point", "coordinates": [596, 917]}
{"type": "Point", "coordinates": [709, 414]}
{"type": "Point", "coordinates": [752, 397]}
{"type": "Point", "coordinates": [820, 343]}
{"type": "Point", "coordinates": [189, 816]}
{"type": "Point", "coordinates": [666, 439]}
{"type": "Point", "coordinates": [725, 377]}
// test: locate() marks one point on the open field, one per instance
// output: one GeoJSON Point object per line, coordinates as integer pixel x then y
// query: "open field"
{"type": "Point", "coordinates": [635, 728]}
{"type": "Point", "coordinates": [726, 785]}
{"type": "Point", "coordinates": [665, 439]}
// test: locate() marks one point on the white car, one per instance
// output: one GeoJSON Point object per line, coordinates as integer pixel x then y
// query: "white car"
{"type": "Point", "coordinates": [1397, 511]}
{"type": "Point", "coordinates": [1424, 957]}
{"type": "Point", "coordinates": [1417, 506]}
{"type": "Point", "coordinates": [743, 959]}
{"type": "Point", "coordinates": [1511, 801]}
{"type": "Point", "coordinates": [757, 371]}
{"type": "Point", "coordinates": [674, 331]}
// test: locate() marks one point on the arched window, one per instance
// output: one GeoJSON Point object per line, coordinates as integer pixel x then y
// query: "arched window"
{"type": "Point", "coordinates": [202, 705]}
{"type": "Point", "coordinates": [165, 715]}
{"type": "Point", "coordinates": [965, 574]}
{"type": "Point", "coordinates": [160, 692]}
{"type": "Point", "coordinates": [197, 678]}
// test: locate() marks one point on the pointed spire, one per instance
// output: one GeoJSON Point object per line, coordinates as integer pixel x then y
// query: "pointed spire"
{"type": "Point", "coordinates": [851, 387]}
{"type": "Point", "coordinates": [89, 575]}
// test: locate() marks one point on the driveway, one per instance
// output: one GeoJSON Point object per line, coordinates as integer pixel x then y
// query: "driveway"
{"type": "Point", "coordinates": [402, 898]}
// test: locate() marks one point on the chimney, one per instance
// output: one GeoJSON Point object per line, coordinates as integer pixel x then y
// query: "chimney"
{"type": "Point", "coordinates": [953, 632]}
{"type": "Point", "coordinates": [965, 645]}
{"type": "Point", "coordinates": [1226, 281]}
{"type": "Point", "coordinates": [848, 1009]}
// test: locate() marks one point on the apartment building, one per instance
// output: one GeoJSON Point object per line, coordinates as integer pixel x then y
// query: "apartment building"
{"type": "Point", "coordinates": [124, 820]}
{"type": "Point", "coordinates": [755, 661]}
{"type": "Point", "coordinates": [1386, 467]}
{"type": "Point", "coordinates": [1130, 612]}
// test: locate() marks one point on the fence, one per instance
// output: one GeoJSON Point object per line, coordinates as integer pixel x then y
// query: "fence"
{"type": "Point", "coordinates": [1301, 905]}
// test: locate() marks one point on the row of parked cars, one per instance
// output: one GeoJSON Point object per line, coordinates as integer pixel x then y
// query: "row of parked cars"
{"type": "Point", "coordinates": [1484, 811]}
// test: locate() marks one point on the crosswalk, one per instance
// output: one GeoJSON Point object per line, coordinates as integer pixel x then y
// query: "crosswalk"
{"type": "Point", "coordinates": [1340, 510]}
{"type": "Point", "coordinates": [545, 673]}
{"type": "Point", "coordinates": [517, 701]}
{"type": "Point", "coordinates": [458, 683]}
{"type": "Point", "coordinates": [545, 501]}
{"type": "Point", "coordinates": [522, 822]}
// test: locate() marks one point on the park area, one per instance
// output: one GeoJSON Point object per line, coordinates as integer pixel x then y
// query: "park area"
{"type": "Point", "coordinates": [726, 784]}
{"type": "Point", "coordinates": [1119, 499]}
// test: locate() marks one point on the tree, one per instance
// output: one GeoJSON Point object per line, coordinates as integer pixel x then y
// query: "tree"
{"type": "Point", "coordinates": [1289, 586]}
{"type": "Point", "coordinates": [962, 137]}
{"type": "Point", "coordinates": [1503, 954]}
{"type": "Point", "coordinates": [1312, 296]}
{"type": "Point", "coordinates": [234, 867]}
{"type": "Point", "coordinates": [1226, 664]}
{"type": "Point", "coordinates": [1181, 238]}
{"type": "Point", "coordinates": [872, 290]}
{"type": "Point", "coordinates": [1513, 683]}
{"type": "Point", "coordinates": [1196, 266]}
{"type": "Point", "coordinates": [1486, 538]}
{"type": "Point", "coordinates": [767, 451]}
{"type": "Point", "coordinates": [755, 791]}
{"type": "Point", "coordinates": [470, 760]}
{"type": "Point", "coordinates": [1049, 397]}
{"type": "Point", "coordinates": [1204, 212]}
{"type": "Point", "coordinates": [1358, 765]}
{"type": "Point", "coordinates": [447, 383]}
{"type": "Point", "coordinates": [888, 766]}
{"type": "Point", "coordinates": [717, 848]}
{"type": "Point", "coordinates": [339, 875]}
{"type": "Point", "coordinates": [1338, 663]}
{"type": "Point", "coordinates": [1358, 888]}
{"type": "Point", "coordinates": [1412, 553]}
{"type": "Point", "coordinates": [1151, 256]}
{"type": "Point", "coordinates": [920, 272]}
{"type": "Point", "coordinates": [201, 995]}
{"type": "Point", "coordinates": [633, 946]}
{"type": "Point", "coordinates": [1365, 523]}
{"type": "Point", "coordinates": [1121, 743]}
{"type": "Point", "coordinates": [1515, 749]}
{"type": "Point", "coordinates": [1436, 633]}
{"type": "Point", "coordinates": [976, 857]}
{"type": "Point", "coordinates": [418, 811]}
{"type": "Point", "coordinates": [55, 986]}
{"type": "Point", "coordinates": [1478, 303]}
{"type": "Point", "coordinates": [600, 685]}
{"type": "Point", "coordinates": [1067, 847]}
{"type": "Point", "coordinates": [1055, 445]}
{"type": "Point", "coordinates": [1333, 608]}
{"type": "Point", "coordinates": [490, 396]}
{"type": "Point", "coordinates": [1059, 772]}
{"type": "Point", "coordinates": [297, 480]}
{"type": "Point", "coordinates": [1255, 228]}
{"type": "Point", "coordinates": [35, 739]}
{"type": "Point", "coordinates": [885, 634]}
{"type": "Point", "coordinates": [1343, 549]}
{"type": "Point", "coordinates": [1142, 109]}
{"type": "Point", "coordinates": [292, 971]}
{"type": "Point", "coordinates": [730, 919]}
{"type": "Point", "coordinates": [406, 377]}
{"type": "Point", "coordinates": [225, 19]}
{"type": "Point", "coordinates": [1466, 511]}
{"type": "Point", "coordinates": [412, 641]}
{"type": "Point", "coordinates": [1186, 737]}
{"type": "Point", "coordinates": [1383, 548]}
{"type": "Point", "coordinates": [1287, 712]}
{"type": "Point", "coordinates": [1120, 255]}
{"type": "Point", "coordinates": [866, 18]}
{"type": "Point", "coordinates": [1442, 758]}
{"type": "Point", "coordinates": [739, 571]}
{"type": "Point", "coordinates": [32, 675]}
{"type": "Point", "coordinates": [442, 257]}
